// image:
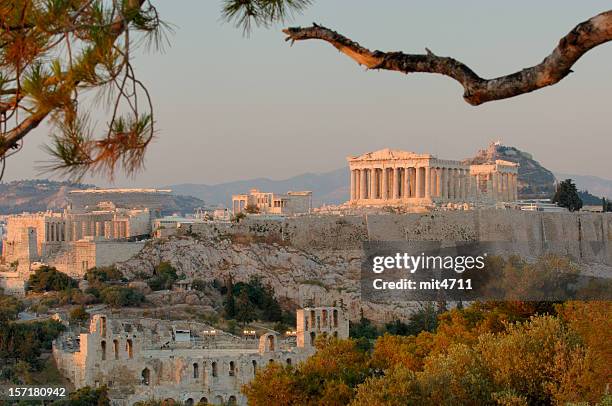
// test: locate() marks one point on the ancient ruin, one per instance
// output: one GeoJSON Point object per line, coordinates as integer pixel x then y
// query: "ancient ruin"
{"type": "Point", "coordinates": [273, 203]}
{"type": "Point", "coordinates": [399, 178]}
{"type": "Point", "coordinates": [141, 359]}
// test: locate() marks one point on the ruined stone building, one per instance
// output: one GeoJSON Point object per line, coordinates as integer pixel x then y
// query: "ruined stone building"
{"type": "Point", "coordinates": [400, 178]}
{"type": "Point", "coordinates": [98, 228]}
{"type": "Point", "coordinates": [272, 203]}
{"type": "Point", "coordinates": [75, 241]}
{"type": "Point", "coordinates": [140, 359]}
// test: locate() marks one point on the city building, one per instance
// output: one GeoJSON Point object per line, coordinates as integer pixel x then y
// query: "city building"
{"type": "Point", "coordinates": [182, 361]}
{"type": "Point", "coordinates": [400, 178]}
{"type": "Point", "coordinates": [259, 202]}
{"type": "Point", "coordinates": [540, 205]}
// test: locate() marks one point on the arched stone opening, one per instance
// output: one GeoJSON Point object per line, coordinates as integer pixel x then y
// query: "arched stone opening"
{"type": "Point", "coordinates": [146, 376]}
{"type": "Point", "coordinates": [129, 348]}
{"type": "Point", "coordinates": [270, 343]}
{"type": "Point", "coordinates": [196, 370]}
{"type": "Point", "coordinates": [116, 348]}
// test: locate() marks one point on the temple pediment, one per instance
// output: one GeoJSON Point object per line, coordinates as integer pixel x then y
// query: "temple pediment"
{"type": "Point", "coordinates": [388, 154]}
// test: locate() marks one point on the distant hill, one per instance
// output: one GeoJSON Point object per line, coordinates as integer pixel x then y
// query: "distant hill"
{"type": "Point", "coordinates": [42, 194]}
{"type": "Point", "coordinates": [534, 181]}
{"type": "Point", "coordinates": [327, 188]}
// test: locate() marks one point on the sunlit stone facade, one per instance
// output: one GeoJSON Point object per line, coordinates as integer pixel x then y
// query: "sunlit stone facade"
{"type": "Point", "coordinates": [400, 178]}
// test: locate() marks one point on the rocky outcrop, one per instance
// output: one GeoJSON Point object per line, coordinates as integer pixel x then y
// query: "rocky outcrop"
{"type": "Point", "coordinates": [317, 259]}
{"type": "Point", "coordinates": [534, 181]}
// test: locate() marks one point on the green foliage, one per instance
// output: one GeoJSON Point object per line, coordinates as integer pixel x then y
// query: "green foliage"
{"type": "Point", "coordinates": [363, 329]}
{"type": "Point", "coordinates": [46, 279]}
{"type": "Point", "coordinates": [254, 301]}
{"type": "Point", "coordinates": [164, 276]}
{"type": "Point", "coordinates": [120, 296]}
{"type": "Point", "coordinates": [245, 313]}
{"type": "Point", "coordinates": [101, 275]}
{"type": "Point", "coordinates": [10, 307]}
{"type": "Point", "coordinates": [24, 342]}
{"type": "Point", "coordinates": [567, 196]}
{"type": "Point", "coordinates": [606, 205]}
{"type": "Point", "coordinates": [87, 396]}
{"type": "Point", "coordinates": [425, 319]}
{"type": "Point", "coordinates": [245, 13]}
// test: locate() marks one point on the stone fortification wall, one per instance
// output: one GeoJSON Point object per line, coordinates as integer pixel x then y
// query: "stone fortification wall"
{"type": "Point", "coordinates": [586, 237]}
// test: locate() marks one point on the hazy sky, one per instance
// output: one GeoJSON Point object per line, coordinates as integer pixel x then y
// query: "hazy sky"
{"type": "Point", "coordinates": [230, 107]}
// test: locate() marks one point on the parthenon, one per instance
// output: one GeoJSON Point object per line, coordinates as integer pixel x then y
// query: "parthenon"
{"type": "Point", "coordinates": [399, 178]}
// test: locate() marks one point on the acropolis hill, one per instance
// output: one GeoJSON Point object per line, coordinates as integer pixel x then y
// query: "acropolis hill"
{"type": "Point", "coordinates": [317, 259]}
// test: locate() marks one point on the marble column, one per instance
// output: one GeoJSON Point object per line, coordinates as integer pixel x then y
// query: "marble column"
{"type": "Point", "coordinates": [427, 182]}
{"type": "Point", "coordinates": [353, 185]}
{"type": "Point", "coordinates": [495, 187]}
{"type": "Point", "coordinates": [372, 182]}
{"type": "Point", "coordinates": [462, 185]}
{"type": "Point", "coordinates": [364, 186]}
{"type": "Point", "coordinates": [385, 183]}
{"type": "Point", "coordinates": [444, 190]}
{"type": "Point", "coordinates": [506, 187]}
{"type": "Point", "coordinates": [451, 183]}
{"type": "Point", "coordinates": [396, 183]}
{"type": "Point", "coordinates": [417, 182]}
{"type": "Point", "coordinates": [406, 183]}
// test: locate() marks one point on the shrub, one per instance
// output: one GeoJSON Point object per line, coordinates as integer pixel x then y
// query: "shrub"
{"type": "Point", "coordinates": [164, 277]}
{"type": "Point", "coordinates": [119, 296]}
{"type": "Point", "coordinates": [47, 279]}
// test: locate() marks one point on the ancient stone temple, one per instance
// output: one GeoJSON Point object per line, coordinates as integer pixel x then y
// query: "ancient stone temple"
{"type": "Point", "coordinates": [399, 178]}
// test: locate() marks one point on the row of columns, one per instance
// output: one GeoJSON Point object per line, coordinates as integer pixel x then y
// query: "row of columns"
{"type": "Point", "coordinates": [504, 186]}
{"type": "Point", "coordinates": [411, 182]}
{"type": "Point", "coordinates": [55, 231]}
{"type": "Point", "coordinates": [77, 230]}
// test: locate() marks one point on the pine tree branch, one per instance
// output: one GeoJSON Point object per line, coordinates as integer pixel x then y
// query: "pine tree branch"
{"type": "Point", "coordinates": [556, 66]}
{"type": "Point", "coordinates": [11, 138]}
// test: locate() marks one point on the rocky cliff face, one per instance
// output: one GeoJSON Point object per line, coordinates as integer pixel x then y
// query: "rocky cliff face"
{"type": "Point", "coordinates": [317, 259]}
{"type": "Point", "coordinates": [534, 181]}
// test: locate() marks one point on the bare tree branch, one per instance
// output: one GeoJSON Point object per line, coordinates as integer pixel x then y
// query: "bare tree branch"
{"type": "Point", "coordinates": [584, 37]}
